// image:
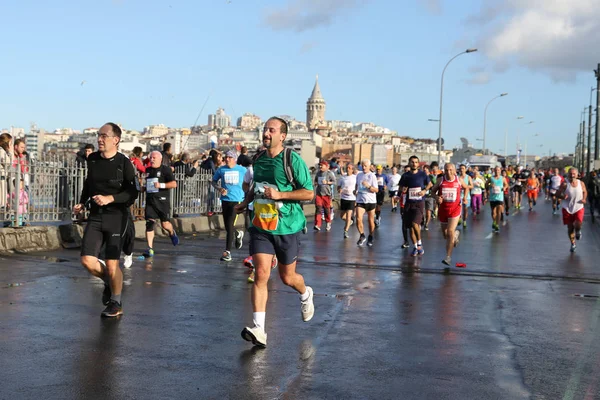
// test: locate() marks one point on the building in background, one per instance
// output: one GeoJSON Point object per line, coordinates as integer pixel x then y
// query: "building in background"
{"type": "Point", "coordinates": [315, 108]}
{"type": "Point", "coordinates": [249, 121]}
{"type": "Point", "coordinates": [219, 120]}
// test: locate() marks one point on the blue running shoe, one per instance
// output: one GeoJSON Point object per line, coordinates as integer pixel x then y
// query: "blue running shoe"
{"type": "Point", "coordinates": [174, 239]}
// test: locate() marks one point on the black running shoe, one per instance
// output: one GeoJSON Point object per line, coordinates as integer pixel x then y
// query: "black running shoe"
{"type": "Point", "coordinates": [113, 309]}
{"type": "Point", "coordinates": [370, 241]}
{"type": "Point", "coordinates": [106, 294]}
{"type": "Point", "coordinates": [361, 240]}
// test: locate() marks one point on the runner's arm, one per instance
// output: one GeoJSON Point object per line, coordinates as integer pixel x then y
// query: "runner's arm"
{"type": "Point", "coordinates": [584, 190]}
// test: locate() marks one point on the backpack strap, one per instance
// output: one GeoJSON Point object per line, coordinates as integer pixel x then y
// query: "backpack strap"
{"type": "Point", "coordinates": [287, 166]}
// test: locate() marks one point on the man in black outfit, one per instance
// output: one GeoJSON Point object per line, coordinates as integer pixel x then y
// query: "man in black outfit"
{"type": "Point", "coordinates": [159, 179]}
{"type": "Point", "coordinates": [109, 189]}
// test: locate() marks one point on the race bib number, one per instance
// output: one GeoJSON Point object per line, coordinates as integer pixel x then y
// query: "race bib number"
{"type": "Point", "coordinates": [231, 178]}
{"type": "Point", "coordinates": [496, 189]}
{"type": "Point", "coordinates": [517, 183]}
{"type": "Point", "coordinates": [530, 187]}
{"type": "Point", "coordinates": [380, 181]}
{"type": "Point", "coordinates": [553, 191]}
{"type": "Point", "coordinates": [476, 190]}
{"type": "Point", "coordinates": [266, 214]}
{"type": "Point", "coordinates": [415, 193]}
{"type": "Point", "coordinates": [150, 185]}
{"type": "Point", "coordinates": [449, 195]}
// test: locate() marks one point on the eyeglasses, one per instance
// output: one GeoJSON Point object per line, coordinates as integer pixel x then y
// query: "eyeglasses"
{"type": "Point", "coordinates": [104, 136]}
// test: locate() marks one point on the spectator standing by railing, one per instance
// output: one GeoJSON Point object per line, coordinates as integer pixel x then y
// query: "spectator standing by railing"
{"type": "Point", "coordinates": [5, 164]}
{"type": "Point", "coordinates": [187, 167]}
{"type": "Point", "coordinates": [210, 166]}
{"type": "Point", "coordinates": [136, 160]}
{"type": "Point", "coordinates": [83, 154]}
{"type": "Point", "coordinates": [167, 155]}
{"type": "Point", "coordinates": [243, 159]}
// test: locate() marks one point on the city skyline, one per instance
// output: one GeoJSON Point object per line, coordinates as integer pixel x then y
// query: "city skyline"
{"type": "Point", "coordinates": [377, 61]}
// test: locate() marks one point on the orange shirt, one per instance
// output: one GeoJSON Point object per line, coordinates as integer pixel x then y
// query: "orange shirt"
{"type": "Point", "coordinates": [532, 184]}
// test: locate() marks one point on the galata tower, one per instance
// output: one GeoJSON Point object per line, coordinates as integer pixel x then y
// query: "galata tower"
{"type": "Point", "coordinates": [315, 108]}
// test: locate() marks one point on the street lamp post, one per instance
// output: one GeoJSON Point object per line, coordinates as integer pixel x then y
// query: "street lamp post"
{"type": "Point", "coordinates": [441, 101]}
{"type": "Point", "coordinates": [485, 118]}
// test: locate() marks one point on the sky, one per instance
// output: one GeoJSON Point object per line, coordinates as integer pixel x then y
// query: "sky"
{"type": "Point", "coordinates": [140, 62]}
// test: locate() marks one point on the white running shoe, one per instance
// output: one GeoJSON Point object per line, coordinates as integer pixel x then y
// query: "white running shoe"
{"type": "Point", "coordinates": [328, 226]}
{"type": "Point", "coordinates": [127, 260]}
{"type": "Point", "coordinates": [456, 237]}
{"type": "Point", "coordinates": [307, 307]}
{"type": "Point", "coordinates": [256, 335]}
{"type": "Point", "coordinates": [239, 236]}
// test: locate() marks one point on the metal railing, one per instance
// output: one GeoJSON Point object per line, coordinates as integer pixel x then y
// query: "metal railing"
{"type": "Point", "coordinates": [44, 191]}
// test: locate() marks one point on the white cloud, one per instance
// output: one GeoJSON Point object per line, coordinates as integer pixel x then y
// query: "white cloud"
{"type": "Point", "coordinates": [557, 37]}
{"type": "Point", "coordinates": [304, 15]}
{"type": "Point", "coordinates": [479, 78]}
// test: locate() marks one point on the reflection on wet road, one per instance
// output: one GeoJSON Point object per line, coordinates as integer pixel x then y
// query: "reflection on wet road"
{"type": "Point", "coordinates": [387, 325]}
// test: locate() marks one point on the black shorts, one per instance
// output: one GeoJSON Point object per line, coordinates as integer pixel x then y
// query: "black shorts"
{"type": "Point", "coordinates": [495, 204]}
{"type": "Point", "coordinates": [393, 193]}
{"type": "Point", "coordinates": [157, 210]}
{"type": "Point", "coordinates": [285, 247]}
{"type": "Point", "coordinates": [367, 206]}
{"type": "Point", "coordinates": [347, 205]}
{"type": "Point", "coordinates": [380, 197]}
{"type": "Point", "coordinates": [518, 189]}
{"type": "Point", "coordinates": [413, 212]}
{"type": "Point", "coordinates": [104, 229]}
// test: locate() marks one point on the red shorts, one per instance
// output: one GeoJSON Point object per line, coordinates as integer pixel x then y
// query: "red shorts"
{"type": "Point", "coordinates": [452, 211]}
{"type": "Point", "coordinates": [532, 194]}
{"type": "Point", "coordinates": [569, 219]}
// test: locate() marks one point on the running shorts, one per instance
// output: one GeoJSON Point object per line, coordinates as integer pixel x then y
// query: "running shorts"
{"type": "Point", "coordinates": [413, 213]}
{"type": "Point", "coordinates": [285, 247]}
{"type": "Point", "coordinates": [444, 213]}
{"type": "Point", "coordinates": [532, 194]}
{"type": "Point", "coordinates": [393, 193]}
{"type": "Point", "coordinates": [495, 204]}
{"type": "Point", "coordinates": [380, 197]}
{"type": "Point", "coordinates": [429, 203]}
{"type": "Point", "coordinates": [104, 229]}
{"type": "Point", "coordinates": [569, 219]}
{"type": "Point", "coordinates": [518, 189]}
{"type": "Point", "coordinates": [157, 210]}
{"type": "Point", "coordinates": [347, 205]}
{"type": "Point", "coordinates": [367, 206]}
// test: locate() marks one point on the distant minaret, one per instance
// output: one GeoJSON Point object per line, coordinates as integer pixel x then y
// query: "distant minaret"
{"type": "Point", "coordinates": [315, 108]}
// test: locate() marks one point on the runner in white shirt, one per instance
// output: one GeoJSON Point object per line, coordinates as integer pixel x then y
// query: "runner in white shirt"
{"type": "Point", "coordinates": [574, 194]}
{"type": "Point", "coordinates": [393, 187]}
{"type": "Point", "coordinates": [346, 188]}
{"type": "Point", "coordinates": [366, 201]}
{"type": "Point", "coordinates": [555, 181]}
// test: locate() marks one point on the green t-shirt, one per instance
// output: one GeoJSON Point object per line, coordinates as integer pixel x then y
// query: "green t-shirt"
{"type": "Point", "coordinates": [271, 171]}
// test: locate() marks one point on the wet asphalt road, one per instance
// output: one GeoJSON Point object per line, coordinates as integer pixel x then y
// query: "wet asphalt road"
{"type": "Point", "coordinates": [509, 326]}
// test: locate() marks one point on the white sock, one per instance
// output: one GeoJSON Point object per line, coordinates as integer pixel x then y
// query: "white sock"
{"type": "Point", "coordinates": [419, 243]}
{"type": "Point", "coordinates": [259, 319]}
{"type": "Point", "coordinates": [305, 295]}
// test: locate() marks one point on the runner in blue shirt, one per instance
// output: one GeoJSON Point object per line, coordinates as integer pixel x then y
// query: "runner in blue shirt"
{"type": "Point", "coordinates": [228, 180]}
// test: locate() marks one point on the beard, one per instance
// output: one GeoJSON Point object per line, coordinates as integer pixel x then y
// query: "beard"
{"type": "Point", "coordinates": [267, 143]}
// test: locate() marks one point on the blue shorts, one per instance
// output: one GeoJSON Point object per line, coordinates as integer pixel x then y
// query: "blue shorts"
{"type": "Point", "coordinates": [285, 247]}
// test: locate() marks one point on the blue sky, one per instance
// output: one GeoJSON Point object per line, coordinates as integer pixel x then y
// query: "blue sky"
{"type": "Point", "coordinates": [151, 62]}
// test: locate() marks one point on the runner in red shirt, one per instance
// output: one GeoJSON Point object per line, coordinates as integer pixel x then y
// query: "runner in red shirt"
{"type": "Point", "coordinates": [448, 193]}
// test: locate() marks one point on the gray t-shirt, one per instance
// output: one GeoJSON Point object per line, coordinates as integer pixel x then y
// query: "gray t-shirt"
{"type": "Point", "coordinates": [324, 189]}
